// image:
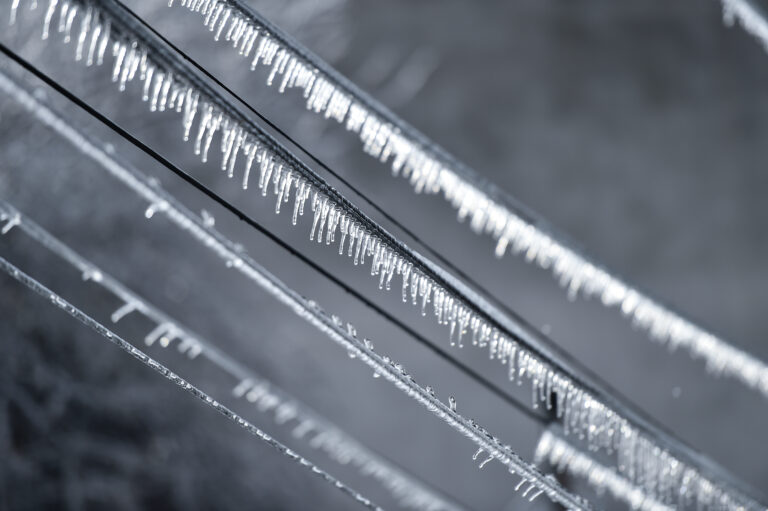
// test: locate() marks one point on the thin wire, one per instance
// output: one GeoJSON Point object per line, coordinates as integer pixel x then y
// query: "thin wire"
{"type": "Point", "coordinates": [118, 341]}
{"type": "Point", "coordinates": [470, 372]}
{"type": "Point", "coordinates": [395, 478]}
{"type": "Point", "coordinates": [589, 385]}
{"type": "Point", "coordinates": [512, 324]}
{"type": "Point", "coordinates": [518, 329]}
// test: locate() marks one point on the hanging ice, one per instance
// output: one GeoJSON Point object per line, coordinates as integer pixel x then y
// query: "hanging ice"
{"type": "Point", "coordinates": [430, 170]}
{"type": "Point", "coordinates": [584, 414]}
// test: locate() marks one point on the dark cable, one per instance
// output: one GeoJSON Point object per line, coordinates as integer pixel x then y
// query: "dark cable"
{"type": "Point", "coordinates": [252, 223]}
{"type": "Point", "coordinates": [434, 253]}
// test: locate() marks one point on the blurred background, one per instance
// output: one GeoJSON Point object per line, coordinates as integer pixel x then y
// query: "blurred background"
{"type": "Point", "coordinates": [637, 129]}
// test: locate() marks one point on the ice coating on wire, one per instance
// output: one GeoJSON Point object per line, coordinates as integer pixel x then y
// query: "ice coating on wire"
{"type": "Point", "coordinates": [430, 170]}
{"type": "Point", "coordinates": [88, 321]}
{"type": "Point", "coordinates": [587, 416]}
{"type": "Point", "coordinates": [319, 433]}
{"type": "Point", "coordinates": [565, 458]}
{"type": "Point", "coordinates": [202, 231]}
{"type": "Point", "coordinates": [749, 17]}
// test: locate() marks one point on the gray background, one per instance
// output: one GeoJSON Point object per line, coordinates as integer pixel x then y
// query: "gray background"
{"type": "Point", "coordinates": [636, 128]}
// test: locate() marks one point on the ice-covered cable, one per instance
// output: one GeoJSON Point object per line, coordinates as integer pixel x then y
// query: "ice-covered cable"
{"type": "Point", "coordinates": [596, 414]}
{"type": "Point", "coordinates": [319, 432]}
{"type": "Point", "coordinates": [162, 203]}
{"type": "Point", "coordinates": [749, 16]}
{"type": "Point", "coordinates": [566, 458]}
{"type": "Point", "coordinates": [88, 321]}
{"type": "Point", "coordinates": [488, 210]}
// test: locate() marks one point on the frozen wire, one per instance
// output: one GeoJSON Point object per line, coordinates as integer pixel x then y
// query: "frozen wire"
{"type": "Point", "coordinates": [162, 203]}
{"type": "Point", "coordinates": [318, 431]}
{"type": "Point", "coordinates": [367, 200]}
{"type": "Point", "coordinates": [88, 321]}
{"type": "Point", "coordinates": [582, 406]}
{"type": "Point", "coordinates": [751, 18]}
{"type": "Point", "coordinates": [566, 458]}
{"type": "Point", "coordinates": [488, 209]}
{"type": "Point", "coordinates": [73, 136]}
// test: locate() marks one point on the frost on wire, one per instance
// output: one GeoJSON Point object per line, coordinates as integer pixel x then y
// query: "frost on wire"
{"type": "Point", "coordinates": [99, 328]}
{"type": "Point", "coordinates": [747, 14]}
{"type": "Point", "coordinates": [287, 411]}
{"type": "Point", "coordinates": [567, 459]}
{"type": "Point", "coordinates": [639, 457]}
{"type": "Point", "coordinates": [429, 171]}
{"type": "Point", "coordinates": [201, 229]}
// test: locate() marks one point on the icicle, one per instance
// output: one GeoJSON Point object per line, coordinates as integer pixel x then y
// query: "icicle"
{"type": "Point", "coordinates": [486, 460]}
{"type": "Point", "coordinates": [48, 17]}
{"type": "Point", "coordinates": [123, 311]}
{"type": "Point", "coordinates": [11, 222]}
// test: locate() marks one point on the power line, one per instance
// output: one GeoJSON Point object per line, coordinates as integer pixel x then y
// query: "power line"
{"type": "Point", "coordinates": [564, 371]}
{"type": "Point", "coordinates": [491, 210]}
{"type": "Point", "coordinates": [145, 359]}
{"type": "Point", "coordinates": [239, 214]}
{"type": "Point", "coordinates": [332, 327]}
{"type": "Point", "coordinates": [265, 395]}
{"type": "Point", "coordinates": [380, 210]}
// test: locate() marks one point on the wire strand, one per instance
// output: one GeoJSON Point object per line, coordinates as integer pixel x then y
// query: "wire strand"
{"type": "Point", "coordinates": [118, 341]}
{"type": "Point", "coordinates": [406, 488]}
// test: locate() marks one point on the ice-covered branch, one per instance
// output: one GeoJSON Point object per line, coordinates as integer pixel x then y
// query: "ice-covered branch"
{"type": "Point", "coordinates": [487, 209]}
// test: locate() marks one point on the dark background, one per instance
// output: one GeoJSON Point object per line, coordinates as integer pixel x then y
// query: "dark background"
{"type": "Point", "coordinates": [637, 129]}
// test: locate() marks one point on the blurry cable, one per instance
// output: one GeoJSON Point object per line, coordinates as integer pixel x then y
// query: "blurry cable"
{"type": "Point", "coordinates": [489, 209]}
{"type": "Point", "coordinates": [586, 406]}
{"type": "Point", "coordinates": [750, 16]}
{"type": "Point", "coordinates": [344, 335]}
{"type": "Point", "coordinates": [85, 319]}
{"type": "Point", "coordinates": [566, 458]}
